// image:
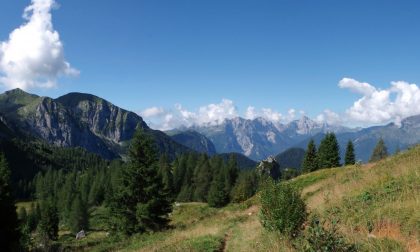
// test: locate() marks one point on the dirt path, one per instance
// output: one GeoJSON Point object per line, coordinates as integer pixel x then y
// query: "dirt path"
{"type": "Point", "coordinates": [224, 242]}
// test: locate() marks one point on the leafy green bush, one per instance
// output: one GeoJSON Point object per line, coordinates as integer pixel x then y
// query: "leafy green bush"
{"type": "Point", "coordinates": [282, 208]}
{"type": "Point", "coordinates": [319, 238]}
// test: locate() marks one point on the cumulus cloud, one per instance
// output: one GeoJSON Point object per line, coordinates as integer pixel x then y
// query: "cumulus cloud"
{"type": "Point", "coordinates": [399, 101]}
{"type": "Point", "coordinates": [266, 113]}
{"type": "Point", "coordinates": [329, 117]}
{"type": "Point", "coordinates": [356, 86]}
{"type": "Point", "coordinates": [33, 55]}
{"type": "Point", "coordinates": [179, 116]}
{"type": "Point", "coordinates": [152, 112]}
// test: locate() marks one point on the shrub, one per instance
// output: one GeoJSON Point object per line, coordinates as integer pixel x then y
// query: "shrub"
{"type": "Point", "coordinates": [282, 208]}
{"type": "Point", "coordinates": [319, 238]}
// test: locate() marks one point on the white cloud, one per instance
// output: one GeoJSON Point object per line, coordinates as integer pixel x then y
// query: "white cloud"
{"type": "Point", "coordinates": [152, 112]}
{"type": "Point", "coordinates": [33, 56]}
{"type": "Point", "coordinates": [216, 113]}
{"type": "Point", "coordinates": [179, 116]}
{"type": "Point", "coordinates": [251, 113]}
{"type": "Point", "coordinates": [399, 101]}
{"type": "Point", "coordinates": [266, 113]}
{"type": "Point", "coordinates": [329, 117]}
{"type": "Point", "coordinates": [358, 87]}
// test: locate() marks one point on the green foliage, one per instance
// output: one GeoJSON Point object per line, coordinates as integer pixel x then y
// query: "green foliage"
{"type": "Point", "coordinates": [202, 179]}
{"type": "Point", "coordinates": [209, 243]}
{"type": "Point", "coordinates": [9, 233]}
{"type": "Point", "coordinates": [310, 161]}
{"type": "Point", "coordinates": [350, 157]}
{"type": "Point", "coordinates": [318, 238]}
{"type": "Point", "coordinates": [79, 217]}
{"type": "Point", "coordinates": [380, 152]}
{"type": "Point", "coordinates": [282, 209]}
{"type": "Point", "coordinates": [329, 152]}
{"type": "Point", "coordinates": [140, 202]}
{"type": "Point", "coordinates": [245, 187]}
{"type": "Point", "coordinates": [218, 196]}
{"type": "Point", "coordinates": [165, 172]}
{"type": "Point", "coordinates": [196, 175]}
{"type": "Point", "coordinates": [48, 223]}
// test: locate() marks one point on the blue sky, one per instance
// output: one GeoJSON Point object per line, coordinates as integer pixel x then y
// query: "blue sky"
{"type": "Point", "coordinates": [267, 54]}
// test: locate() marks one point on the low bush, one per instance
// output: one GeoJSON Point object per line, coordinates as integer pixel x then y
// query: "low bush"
{"type": "Point", "coordinates": [282, 208]}
{"type": "Point", "coordinates": [322, 237]}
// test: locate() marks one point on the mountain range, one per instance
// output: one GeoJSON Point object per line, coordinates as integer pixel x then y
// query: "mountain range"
{"type": "Point", "coordinates": [260, 138]}
{"type": "Point", "coordinates": [90, 122]}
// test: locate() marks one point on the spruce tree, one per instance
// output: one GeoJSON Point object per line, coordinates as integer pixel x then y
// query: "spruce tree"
{"type": "Point", "coordinates": [310, 160]}
{"type": "Point", "coordinates": [79, 217]}
{"type": "Point", "coordinates": [380, 151]}
{"type": "Point", "coordinates": [48, 223]}
{"type": "Point", "coordinates": [140, 203]}
{"type": "Point", "coordinates": [9, 226]}
{"type": "Point", "coordinates": [329, 152]}
{"type": "Point", "coordinates": [230, 170]}
{"type": "Point", "coordinates": [165, 172]}
{"type": "Point", "coordinates": [350, 158]}
{"type": "Point", "coordinates": [218, 197]}
{"type": "Point", "coordinates": [202, 180]}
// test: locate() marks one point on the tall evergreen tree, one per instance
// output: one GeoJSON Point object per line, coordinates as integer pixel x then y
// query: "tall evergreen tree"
{"type": "Point", "coordinates": [48, 223]}
{"type": "Point", "coordinates": [9, 226]}
{"type": "Point", "coordinates": [79, 217]}
{"type": "Point", "coordinates": [202, 179]}
{"type": "Point", "coordinates": [329, 152]}
{"type": "Point", "coordinates": [350, 158]}
{"type": "Point", "coordinates": [380, 151]}
{"type": "Point", "coordinates": [230, 173]}
{"type": "Point", "coordinates": [165, 172]}
{"type": "Point", "coordinates": [218, 196]}
{"type": "Point", "coordinates": [140, 203]}
{"type": "Point", "coordinates": [310, 160]}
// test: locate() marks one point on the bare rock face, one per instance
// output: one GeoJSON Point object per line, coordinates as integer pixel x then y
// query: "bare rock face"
{"type": "Point", "coordinates": [269, 167]}
{"type": "Point", "coordinates": [79, 120]}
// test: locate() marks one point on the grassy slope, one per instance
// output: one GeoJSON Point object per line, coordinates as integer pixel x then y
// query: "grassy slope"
{"type": "Point", "coordinates": [376, 205]}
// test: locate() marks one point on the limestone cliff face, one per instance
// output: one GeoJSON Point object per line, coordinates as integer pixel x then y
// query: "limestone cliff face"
{"type": "Point", "coordinates": [79, 120]}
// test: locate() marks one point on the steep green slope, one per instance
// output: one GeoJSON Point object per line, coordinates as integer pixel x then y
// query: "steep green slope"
{"type": "Point", "coordinates": [78, 120]}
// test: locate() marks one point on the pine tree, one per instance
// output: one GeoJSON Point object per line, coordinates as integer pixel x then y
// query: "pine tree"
{"type": "Point", "coordinates": [310, 161]}
{"type": "Point", "coordinates": [79, 217]}
{"type": "Point", "coordinates": [140, 203]}
{"type": "Point", "coordinates": [380, 151]}
{"type": "Point", "coordinates": [329, 152]}
{"type": "Point", "coordinates": [9, 226]}
{"type": "Point", "coordinates": [48, 223]}
{"type": "Point", "coordinates": [245, 187]}
{"type": "Point", "coordinates": [230, 173]}
{"type": "Point", "coordinates": [180, 167]}
{"type": "Point", "coordinates": [218, 197]}
{"type": "Point", "coordinates": [350, 158]}
{"type": "Point", "coordinates": [202, 180]}
{"type": "Point", "coordinates": [165, 172]}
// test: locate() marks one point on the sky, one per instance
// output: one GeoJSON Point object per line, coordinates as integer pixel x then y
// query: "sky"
{"type": "Point", "coordinates": [193, 62]}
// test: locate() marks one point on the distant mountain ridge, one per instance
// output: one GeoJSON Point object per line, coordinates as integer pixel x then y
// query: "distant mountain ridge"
{"type": "Point", "coordinates": [260, 138]}
{"type": "Point", "coordinates": [194, 141]}
{"type": "Point", "coordinates": [78, 120]}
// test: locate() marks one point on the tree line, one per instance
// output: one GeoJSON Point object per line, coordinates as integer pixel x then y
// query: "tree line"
{"type": "Point", "coordinates": [328, 154]}
{"type": "Point", "coordinates": [138, 194]}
